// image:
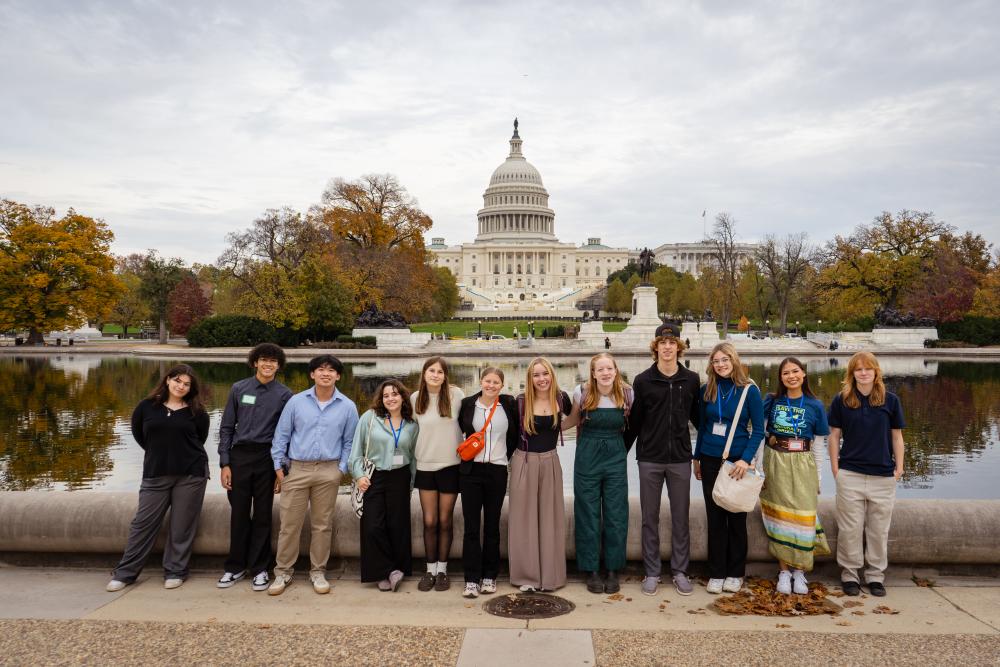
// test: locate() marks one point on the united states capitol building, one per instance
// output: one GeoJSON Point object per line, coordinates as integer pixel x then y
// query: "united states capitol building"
{"type": "Point", "coordinates": [516, 262]}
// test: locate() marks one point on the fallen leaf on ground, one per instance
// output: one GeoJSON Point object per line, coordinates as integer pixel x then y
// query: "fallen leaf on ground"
{"type": "Point", "coordinates": [853, 603]}
{"type": "Point", "coordinates": [264, 626]}
{"type": "Point", "coordinates": [858, 612]}
{"type": "Point", "coordinates": [616, 597]}
{"type": "Point", "coordinates": [628, 599]}
{"type": "Point", "coordinates": [782, 625]}
{"type": "Point", "coordinates": [923, 583]}
{"type": "Point", "coordinates": [663, 606]}
{"type": "Point", "coordinates": [836, 594]}
{"type": "Point", "coordinates": [844, 623]}
{"type": "Point", "coordinates": [696, 611]}
{"type": "Point", "coordinates": [883, 609]}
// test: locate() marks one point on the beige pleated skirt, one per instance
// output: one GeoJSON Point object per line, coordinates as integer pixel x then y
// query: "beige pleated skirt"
{"type": "Point", "coordinates": [537, 521]}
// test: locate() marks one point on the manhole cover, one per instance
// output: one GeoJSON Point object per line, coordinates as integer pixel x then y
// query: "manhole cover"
{"type": "Point", "coordinates": [528, 606]}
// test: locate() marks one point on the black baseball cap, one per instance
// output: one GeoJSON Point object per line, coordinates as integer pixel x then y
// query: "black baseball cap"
{"type": "Point", "coordinates": [668, 329]}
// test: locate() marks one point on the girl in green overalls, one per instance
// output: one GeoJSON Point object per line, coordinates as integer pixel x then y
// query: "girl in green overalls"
{"type": "Point", "coordinates": [600, 485]}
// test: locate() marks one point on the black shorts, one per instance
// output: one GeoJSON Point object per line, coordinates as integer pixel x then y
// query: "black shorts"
{"type": "Point", "coordinates": [443, 481]}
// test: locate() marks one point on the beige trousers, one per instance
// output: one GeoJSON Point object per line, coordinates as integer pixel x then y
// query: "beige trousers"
{"type": "Point", "coordinates": [536, 526]}
{"type": "Point", "coordinates": [311, 485]}
{"type": "Point", "coordinates": [864, 511]}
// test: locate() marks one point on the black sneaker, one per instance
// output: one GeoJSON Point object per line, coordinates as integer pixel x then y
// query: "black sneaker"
{"type": "Point", "coordinates": [851, 588]}
{"type": "Point", "coordinates": [426, 582]}
{"type": "Point", "coordinates": [611, 584]}
{"type": "Point", "coordinates": [594, 582]}
{"type": "Point", "coordinates": [877, 589]}
{"type": "Point", "coordinates": [441, 582]}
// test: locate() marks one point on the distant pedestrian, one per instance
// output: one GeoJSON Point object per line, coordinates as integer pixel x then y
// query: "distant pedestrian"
{"type": "Point", "coordinates": [387, 435]}
{"type": "Point", "coordinates": [171, 425]}
{"type": "Point", "coordinates": [866, 457]}
{"type": "Point", "coordinates": [310, 450]}
{"type": "Point", "coordinates": [607, 343]}
{"type": "Point", "coordinates": [435, 409]}
{"type": "Point", "coordinates": [245, 434]}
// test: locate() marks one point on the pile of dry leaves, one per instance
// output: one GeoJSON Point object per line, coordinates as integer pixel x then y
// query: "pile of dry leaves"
{"type": "Point", "coordinates": [759, 598]}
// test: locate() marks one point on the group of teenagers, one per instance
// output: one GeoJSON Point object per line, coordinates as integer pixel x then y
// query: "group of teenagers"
{"type": "Point", "coordinates": [272, 442]}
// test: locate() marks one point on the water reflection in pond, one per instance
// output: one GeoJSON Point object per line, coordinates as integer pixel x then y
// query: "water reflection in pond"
{"type": "Point", "coordinates": [64, 419]}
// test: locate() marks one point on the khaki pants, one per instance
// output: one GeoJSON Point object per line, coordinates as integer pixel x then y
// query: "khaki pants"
{"type": "Point", "coordinates": [311, 485]}
{"type": "Point", "coordinates": [864, 511]}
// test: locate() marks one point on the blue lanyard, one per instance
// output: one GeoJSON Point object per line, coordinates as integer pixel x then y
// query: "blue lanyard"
{"type": "Point", "coordinates": [395, 433]}
{"type": "Point", "coordinates": [792, 417]}
{"type": "Point", "coordinates": [720, 400]}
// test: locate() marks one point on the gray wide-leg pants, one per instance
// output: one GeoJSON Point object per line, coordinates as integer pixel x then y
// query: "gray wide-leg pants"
{"type": "Point", "coordinates": [678, 479]}
{"type": "Point", "coordinates": [183, 496]}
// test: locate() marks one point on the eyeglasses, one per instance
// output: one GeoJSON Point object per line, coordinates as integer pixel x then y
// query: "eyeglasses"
{"type": "Point", "coordinates": [721, 361]}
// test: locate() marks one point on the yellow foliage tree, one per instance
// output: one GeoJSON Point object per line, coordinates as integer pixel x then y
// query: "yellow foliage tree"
{"type": "Point", "coordinates": [54, 273]}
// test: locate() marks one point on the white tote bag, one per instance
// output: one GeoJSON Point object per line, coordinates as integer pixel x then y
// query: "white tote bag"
{"type": "Point", "coordinates": [368, 466]}
{"type": "Point", "coordinates": [737, 495]}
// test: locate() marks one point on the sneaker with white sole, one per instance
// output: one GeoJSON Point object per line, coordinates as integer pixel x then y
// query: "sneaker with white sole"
{"type": "Point", "coordinates": [260, 581]}
{"type": "Point", "coordinates": [320, 584]}
{"type": "Point", "coordinates": [471, 590]}
{"type": "Point", "coordinates": [714, 586]}
{"type": "Point", "coordinates": [230, 578]}
{"type": "Point", "coordinates": [115, 585]}
{"type": "Point", "coordinates": [279, 584]}
{"type": "Point", "coordinates": [732, 584]}
{"type": "Point", "coordinates": [649, 585]}
{"type": "Point", "coordinates": [784, 582]}
{"type": "Point", "coordinates": [173, 582]}
{"type": "Point", "coordinates": [488, 586]}
{"type": "Point", "coordinates": [395, 577]}
{"type": "Point", "coordinates": [683, 584]}
{"type": "Point", "coordinates": [799, 584]}
{"type": "Point", "coordinates": [528, 589]}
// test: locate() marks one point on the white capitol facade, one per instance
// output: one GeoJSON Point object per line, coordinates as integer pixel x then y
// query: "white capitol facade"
{"type": "Point", "coordinates": [516, 262]}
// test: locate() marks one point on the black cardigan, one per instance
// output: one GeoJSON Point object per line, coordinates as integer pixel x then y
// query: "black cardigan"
{"type": "Point", "coordinates": [509, 404]}
{"type": "Point", "coordinates": [174, 441]}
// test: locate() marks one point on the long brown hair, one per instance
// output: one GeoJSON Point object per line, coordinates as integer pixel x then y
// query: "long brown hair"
{"type": "Point", "coordinates": [192, 399]}
{"type": "Point", "coordinates": [529, 396]}
{"type": "Point", "coordinates": [849, 392]}
{"type": "Point", "coordinates": [593, 395]}
{"type": "Point", "coordinates": [444, 395]}
{"type": "Point", "coordinates": [782, 390]}
{"type": "Point", "coordinates": [406, 410]}
{"type": "Point", "coordinates": [739, 376]}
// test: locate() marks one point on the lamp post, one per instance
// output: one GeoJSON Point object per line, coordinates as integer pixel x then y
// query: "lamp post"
{"type": "Point", "coordinates": [796, 327]}
{"type": "Point", "coordinates": [819, 325]}
{"type": "Point", "coordinates": [531, 328]}
{"type": "Point", "coordinates": [767, 324]}
{"type": "Point", "coordinates": [479, 332]}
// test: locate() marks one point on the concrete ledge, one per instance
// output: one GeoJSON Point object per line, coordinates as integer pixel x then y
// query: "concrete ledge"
{"type": "Point", "coordinates": [931, 532]}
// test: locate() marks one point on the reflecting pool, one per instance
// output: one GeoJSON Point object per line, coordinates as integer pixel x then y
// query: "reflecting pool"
{"type": "Point", "coordinates": [64, 420]}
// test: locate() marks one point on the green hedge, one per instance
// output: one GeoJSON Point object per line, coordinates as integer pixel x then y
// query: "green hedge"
{"type": "Point", "coordinates": [232, 331]}
{"type": "Point", "coordinates": [975, 330]}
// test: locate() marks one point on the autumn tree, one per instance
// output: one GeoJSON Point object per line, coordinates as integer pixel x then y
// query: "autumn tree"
{"type": "Point", "coordinates": [783, 263]}
{"type": "Point", "coordinates": [879, 261]}
{"type": "Point", "coordinates": [378, 230]}
{"type": "Point", "coordinates": [130, 308]}
{"type": "Point", "coordinates": [618, 299]}
{"type": "Point", "coordinates": [727, 260]}
{"type": "Point", "coordinates": [55, 273]}
{"type": "Point", "coordinates": [444, 298]}
{"type": "Point", "coordinates": [159, 276]}
{"type": "Point", "coordinates": [187, 305]}
{"type": "Point", "coordinates": [665, 279]}
{"type": "Point", "coordinates": [686, 297]}
{"type": "Point", "coordinates": [328, 304]}
{"type": "Point", "coordinates": [986, 300]}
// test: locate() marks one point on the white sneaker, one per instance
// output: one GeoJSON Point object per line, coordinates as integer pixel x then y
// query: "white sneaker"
{"type": "Point", "coordinates": [279, 584]}
{"type": "Point", "coordinates": [320, 584]}
{"type": "Point", "coordinates": [260, 581]}
{"type": "Point", "coordinates": [527, 589]}
{"type": "Point", "coordinates": [785, 582]}
{"type": "Point", "coordinates": [173, 582]}
{"type": "Point", "coordinates": [114, 586]}
{"type": "Point", "coordinates": [714, 586]}
{"type": "Point", "coordinates": [800, 585]}
{"type": "Point", "coordinates": [230, 578]}
{"type": "Point", "coordinates": [471, 590]}
{"type": "Point", "coordinates": [489, 586]}
{"type": "Point", "coordinates": [732, 584]}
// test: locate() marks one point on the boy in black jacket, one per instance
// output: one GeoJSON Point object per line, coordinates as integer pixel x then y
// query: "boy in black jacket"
{"type": "Point", "coordinates": [666, 399]}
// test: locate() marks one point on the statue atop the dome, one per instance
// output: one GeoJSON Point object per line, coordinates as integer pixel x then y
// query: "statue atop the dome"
{"type": "Point", "coordinates": [515, 123]}
{"type": "Point", "coordinates": [645, 265]}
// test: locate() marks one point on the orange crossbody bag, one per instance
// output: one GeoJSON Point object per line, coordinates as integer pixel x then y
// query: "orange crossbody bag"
{"type": "Point", "coordinates": [471, 446]}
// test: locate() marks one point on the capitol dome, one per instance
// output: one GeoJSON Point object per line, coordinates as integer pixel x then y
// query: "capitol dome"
{"type": "Point", "coordinates": [516, 203]}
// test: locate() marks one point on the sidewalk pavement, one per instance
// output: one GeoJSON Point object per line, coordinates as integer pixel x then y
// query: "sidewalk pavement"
{"type": "Point", "coordinates": [64, 616]}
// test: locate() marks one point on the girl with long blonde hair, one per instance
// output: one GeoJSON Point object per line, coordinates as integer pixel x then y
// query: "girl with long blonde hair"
{"type": "Point", "coordinates": [866, 457]}
{"type": "Point", "coordinates": [537, 521]}
{"type": "Point", "coordinates": [600, 483]}
{"type": "Point", "coordinates": [727, 531]}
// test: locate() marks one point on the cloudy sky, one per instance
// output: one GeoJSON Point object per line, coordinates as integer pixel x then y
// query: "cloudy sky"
{"type": "Point", "coordinates": [178, 122]}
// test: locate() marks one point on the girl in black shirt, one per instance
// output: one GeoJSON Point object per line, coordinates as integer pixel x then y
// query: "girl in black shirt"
{"type": "Point", "coordinates": [171, 425]}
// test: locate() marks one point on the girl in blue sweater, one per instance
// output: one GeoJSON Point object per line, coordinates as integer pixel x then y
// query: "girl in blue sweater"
{"type": "Point", "coordinates": [727, 531]}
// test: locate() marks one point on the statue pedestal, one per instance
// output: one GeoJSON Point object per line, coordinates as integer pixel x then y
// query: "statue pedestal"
{"type": "Point", "coordinates": [641, 327]}
{"type": "Point", "coordinates": [903, 337]}
{"type": "Point", "coordinates": [702, 335]}
{"type": "Point", "coordinates": [394, 338]}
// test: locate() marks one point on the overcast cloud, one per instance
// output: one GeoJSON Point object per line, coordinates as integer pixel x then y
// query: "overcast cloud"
{"type": "Point", "coordinates": [178, 122]}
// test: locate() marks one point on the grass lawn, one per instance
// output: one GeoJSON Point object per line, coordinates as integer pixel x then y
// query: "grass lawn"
{"type": "Point", "coordinates": [117, 329]}
{"type": "Point", "coordinates": [455, 329]}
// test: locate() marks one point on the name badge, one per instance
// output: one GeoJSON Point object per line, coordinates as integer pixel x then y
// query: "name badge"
{"type": "Point", "coordinates": [796, 445]}
{"type": "Point", "coordinates": [248, 399]}
{"type": "Point", "coordinates": [719, 428]}
{"type": "Point", "coordinates": [397, 459]}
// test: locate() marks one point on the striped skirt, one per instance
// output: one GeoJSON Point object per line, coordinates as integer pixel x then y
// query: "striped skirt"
{"type": "Point", "coordinates": [788, 507]}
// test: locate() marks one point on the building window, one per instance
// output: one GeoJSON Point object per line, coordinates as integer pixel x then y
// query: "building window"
{"type": "Point", "coordinates": [564, 267]}
{"type": "Point", "coordinates": [496, 282]}
{"type": "Point", "coordinates": [597, 270]}
{"type": "Point", "coordinates": [473, 268]}
{"type": "Point", "coordinates": [496, 268]}
{"type": "Point", "coordinates": [473, 282]}
{"type": "Point", "coordinates": [509, 282]}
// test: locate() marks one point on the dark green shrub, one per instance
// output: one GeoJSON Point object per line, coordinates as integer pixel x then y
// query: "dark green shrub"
{"type": "Point", "coordinates": [975, 330]}
{"type": "Point", "coordinates": [231, 331]}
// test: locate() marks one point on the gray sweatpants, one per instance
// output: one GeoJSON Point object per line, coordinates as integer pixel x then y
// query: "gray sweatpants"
{"type": "Point", "coordinates": [678, 479]}
{"type": "Point", "coordinates": [182, 495]}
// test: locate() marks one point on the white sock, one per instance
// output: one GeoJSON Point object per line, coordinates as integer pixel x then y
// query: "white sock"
{"type": "Point", "coordinates": [442, 567]}
{"type": "Point", "coordinates": [432, 568]}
